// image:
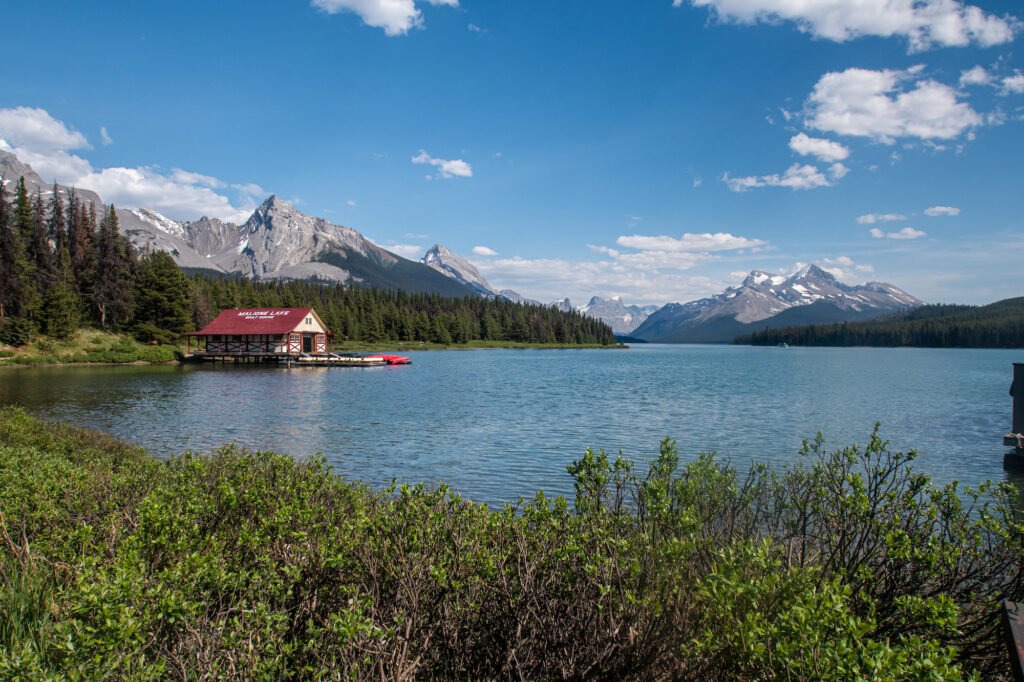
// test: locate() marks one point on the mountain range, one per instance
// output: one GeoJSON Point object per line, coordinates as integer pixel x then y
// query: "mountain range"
{"type": "Point", "coordinates": [767, 301]}
{"type": "Point", "coordinates": [280, 242]}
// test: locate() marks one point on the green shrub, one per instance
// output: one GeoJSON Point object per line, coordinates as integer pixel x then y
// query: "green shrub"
{"type": "Point", "coordinates": [250, 565]}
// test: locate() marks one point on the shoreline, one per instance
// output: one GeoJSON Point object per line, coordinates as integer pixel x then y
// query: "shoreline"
{"type": "Point", "coordinates": [186, 359]}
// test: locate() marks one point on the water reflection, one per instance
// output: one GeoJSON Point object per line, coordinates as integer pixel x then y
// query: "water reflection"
{"type": "Point", "coordinates": [497, 424]}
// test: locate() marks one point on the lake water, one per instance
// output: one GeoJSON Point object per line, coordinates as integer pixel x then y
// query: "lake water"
{"type": "Point", "coordinates": [496, 424]}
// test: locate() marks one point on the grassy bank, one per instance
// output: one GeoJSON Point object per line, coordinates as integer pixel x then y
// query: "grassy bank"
{"type": "Point", "coordinates": [251, 565]}
{"type": "Point", "coordinates": [86, 346]}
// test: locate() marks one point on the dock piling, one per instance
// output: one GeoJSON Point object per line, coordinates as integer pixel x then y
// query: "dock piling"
{"type": "Point", "coordinates": [1014, 461]}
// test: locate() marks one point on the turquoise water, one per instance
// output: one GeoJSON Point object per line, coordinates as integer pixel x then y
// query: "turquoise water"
{"type": "Point", "coordinates": [496, 424]}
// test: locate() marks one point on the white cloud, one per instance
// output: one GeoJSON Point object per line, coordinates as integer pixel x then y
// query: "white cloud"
{"type": "Point", "coordinates": [446, 168]}
{"type": "Point", "coordinates": [190, 178]}
{"type": "Point", "coordinates": [872, 218]}
{"type": "Point", "coordinates": [706, 242]}
{"type": "Point", "coordinates": [942, 210]}
{"type": "Point", "coordinates": [844, 268]}
{"type": "Point", "coordinates": [923, 23]}
{"type": "Point", "coordinates": [698, 181]}
{"type": "Point", "coordinates": [350, 202]}
{"type": "Point", "coordinates": [905, 233]}
{"type": "Point", "coordinates": [476, 29]}
{"type": "Point", "coordinates": [975, 76]}
{"type": "Point", "coordinates": [35, 129]}
{"type": "Point", "coordinates": [44, 143]}
{"type": "Point", "coordinates": [250, 188]}
{"type": "Point", "coordinates": [484, 251]}
{"type": "Point", "coordinates": [614, 253]}
{"type": "Point", "coordinates": [1013, 85]}
{"type": "Point", "coordinates": [838, 171]}
{"type": "Point", "coordinates": [410, 251]}
{"type": "Point", "coordinates": [795, 177]}
{"type": "Point", "coordinates": [547, 279]}
{"type": "Point", "coordinates": [874, 104]}
{"type": "Point", "coordinates": [105, 136]}
{"type": "Point", "coordinates": [396, 17]}
{"type": "Point", "coordinates": [825, 150]}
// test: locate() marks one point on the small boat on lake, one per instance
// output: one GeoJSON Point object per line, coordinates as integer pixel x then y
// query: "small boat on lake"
{"type": "Point", "coordinates": [351, 360]}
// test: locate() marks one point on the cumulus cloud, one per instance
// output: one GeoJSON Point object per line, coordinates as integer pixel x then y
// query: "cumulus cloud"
{"type": "Point", "coordinates": [547, 279]}
{"type": "Point", "coordinates": [484, 251]}
{"type": "Point", "coordinates": [877, 105]}
{"type": "Point", "coordinates": [942, 210]}
{"type": "Point", "coordinates": [614, 253]}
{"type": "Point", "coordinates": [719, 241]}
{"type": "Point", "coordinates": [845, 269]}
{"type": "Point", "coordinates": [410, 251]}
{"type": "Point", "coordinates": [446, 168]}
{"type": "Point", "coordinates": [825, 150]}
{"type": "Point", "coordinates": [923, 23]}
{"type": "Point", "coordinates": [1013, 85]}
{"type": "Point", "coordinates": [396, 17]}
{"type": "Point", "coordinates": [796, 177]}
{"type": "Point", "coordinates": [977, 75]}
{"type": "Point", "coordinates": [905, 233]}
{"type": "Point", "coordinates": [872, 218]}
{"type": "Point", "coordinates": [45, 143]}
{"type": "Point", "coordinates": [838, 171]}
{"type": "Point", "coordinates": [35, 129]}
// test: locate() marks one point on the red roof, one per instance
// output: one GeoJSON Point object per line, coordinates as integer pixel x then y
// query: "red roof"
{"type": "Point", "coordinates": [256, 321]}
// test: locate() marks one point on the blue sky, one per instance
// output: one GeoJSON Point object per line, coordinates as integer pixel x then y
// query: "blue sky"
{"type": "Point", "coordinates": [655, 150]}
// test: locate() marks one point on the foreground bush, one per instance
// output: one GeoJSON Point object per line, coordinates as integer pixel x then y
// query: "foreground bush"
{"type": "Point", "coordinates": [248, 565]}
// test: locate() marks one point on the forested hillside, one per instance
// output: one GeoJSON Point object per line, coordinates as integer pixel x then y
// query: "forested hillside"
{"type": "Point", "coordinates": [359, 314]}
{"type": "Point", "coordinates": [64, 265]}
{"type": "Point", "coordinates": [997, 325]}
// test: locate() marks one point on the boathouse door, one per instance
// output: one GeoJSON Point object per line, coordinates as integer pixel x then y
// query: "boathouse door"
{"type": "Point", "coordinates": [294, 343]}
{"type": "Point", "coordinates": [307, 343]}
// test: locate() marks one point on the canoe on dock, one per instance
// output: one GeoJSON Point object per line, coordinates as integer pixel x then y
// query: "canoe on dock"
{"type": "Point", "coordinates": [351, 360]}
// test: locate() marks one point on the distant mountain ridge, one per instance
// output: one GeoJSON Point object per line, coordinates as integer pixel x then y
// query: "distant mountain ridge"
{"type": "Point", "coordinates": [277, 242]}
{"type": "Point", "coordinates": [996, 325]}
{"type": "Point", "coordinates": [764, 300]}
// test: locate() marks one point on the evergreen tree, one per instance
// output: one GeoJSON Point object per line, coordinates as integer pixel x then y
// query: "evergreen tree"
{"type": "Point", "coordinates": [112, 293]}
{"type": "Point", "coordinates": [39, 254]}
{"type": "Point", "coordinates": [163, 298]}
{"type": "Point", "coordinates": [12, 264]}
{"type": "Point", "coordinates": [60, 315]}
{"type": "Point", "coordinates": [56, 226]}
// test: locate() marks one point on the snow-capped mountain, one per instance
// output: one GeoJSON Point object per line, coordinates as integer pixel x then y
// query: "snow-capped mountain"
{"type": "Point", "coordinates": [563, 304]}
{"type": "Point", "coordinates": [449, 263]}
{"type": "Point", "coordinates": [764, 300]}
{"type": "Point", "coordinates": [622, 318]}
{"type": "Point", "coordinates": [11, 168]}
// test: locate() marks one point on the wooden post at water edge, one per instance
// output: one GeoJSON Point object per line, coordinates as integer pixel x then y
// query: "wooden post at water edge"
{"type": "Point", "coordinates": [1013, 623]}
{"type": "Point", "coordinates": [1014, 461]}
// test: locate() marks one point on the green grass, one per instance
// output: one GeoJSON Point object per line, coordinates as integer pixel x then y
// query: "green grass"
{"type": "Point", "coordinates": [256, 565]}
{"type": "Point", "coordinates": [87, 346]}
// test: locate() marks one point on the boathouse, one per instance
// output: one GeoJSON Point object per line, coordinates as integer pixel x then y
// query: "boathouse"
{"type": "Point", "coordinates": [262, 333]}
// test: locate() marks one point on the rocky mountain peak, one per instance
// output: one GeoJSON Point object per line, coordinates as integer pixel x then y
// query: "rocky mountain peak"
{"type": "Point", "coordinates": [447, 262]}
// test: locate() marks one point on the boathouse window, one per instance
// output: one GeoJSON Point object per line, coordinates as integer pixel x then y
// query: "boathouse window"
{"type": "Point", "coordinates": [309, 320]}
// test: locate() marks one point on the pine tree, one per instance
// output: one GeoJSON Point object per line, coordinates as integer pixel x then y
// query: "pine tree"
{"type": "Point", "coordinates": [56, 226]}
{"type": "Point", "coordinates": [112, 293]}
{"type": "Point", "coordinates": [12, 264]}
{"type": "Point", "coordinates": [163, 298]}
{"type": "Point", "coordinates": [39, 254]}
